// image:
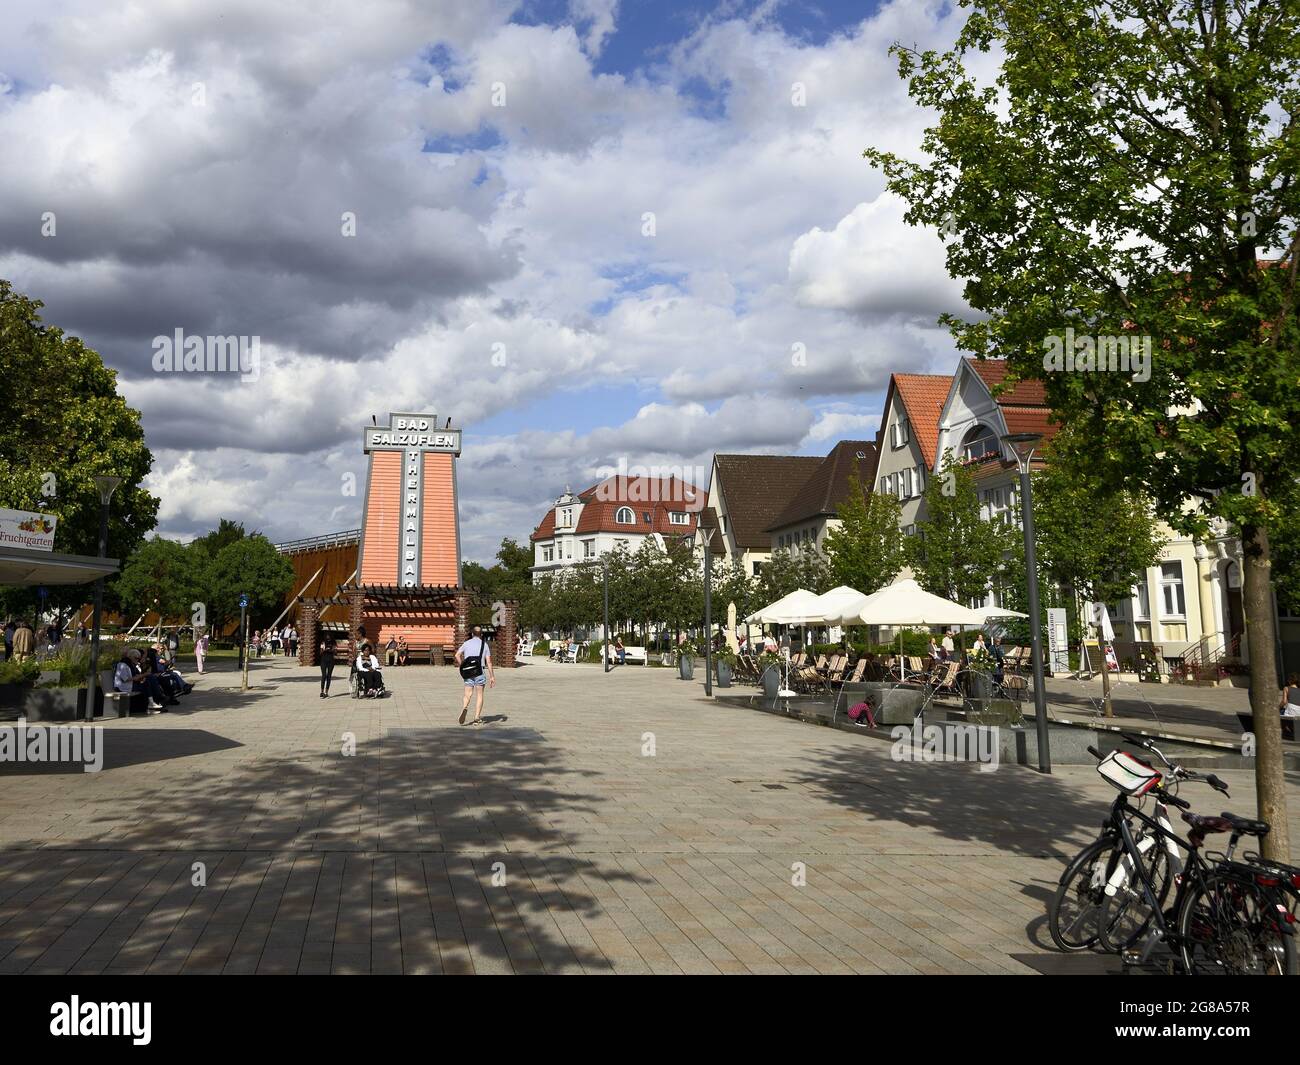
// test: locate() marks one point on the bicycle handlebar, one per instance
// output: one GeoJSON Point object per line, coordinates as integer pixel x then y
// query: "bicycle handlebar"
{"type": "Point", "coordinates": [1173, 800]}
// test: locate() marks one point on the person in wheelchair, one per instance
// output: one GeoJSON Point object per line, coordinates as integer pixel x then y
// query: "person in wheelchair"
{"type": "Point", "coordinates": [372, 678]}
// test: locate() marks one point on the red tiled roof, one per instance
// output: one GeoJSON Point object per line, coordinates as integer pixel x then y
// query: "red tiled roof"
{"type": "Point", "coordinates": [923, 396]}
{"type": "Point", "coordinates": [829, 483]}
{"type": "Point", "coordinates": [993, 372]}
{"type": "Point", "coordinates": [649, 498]}
{"type": "Point", "coordinates": [1024, 403]}
{"type": "Point", "coordinates": [756, 488]}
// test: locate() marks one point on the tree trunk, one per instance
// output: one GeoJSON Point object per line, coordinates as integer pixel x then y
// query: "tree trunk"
{"type": "Point", "coordinates": [1257, 608]}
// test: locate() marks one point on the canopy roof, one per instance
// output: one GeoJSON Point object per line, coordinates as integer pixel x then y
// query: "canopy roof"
{"type": "Point", "coordinates": [24, 567]}
{"type": "Point", "coordinates": [906, 603]}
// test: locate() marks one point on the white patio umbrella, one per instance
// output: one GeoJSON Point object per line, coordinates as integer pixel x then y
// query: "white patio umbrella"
{"type": "Point", "coordinates": [992, 613]}
{"type": "Point", "coordinates": [790, 609]}
{"type": "Point", "coordinates": [906, 603]}
{"type": "Point", "coordinates": [840, 606]}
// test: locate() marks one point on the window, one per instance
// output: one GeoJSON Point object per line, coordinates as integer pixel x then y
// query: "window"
{"type": "Point", "coordinates": [920, 480]}
{"type": "Point", "coordinates": [905, 484]}
{"type": "Point", "coordinates": [901, 432]}
{"type": "Point", "coordinates": [909, 530]}
{"type": "Point", "coordinates": [625, 516]}
{"type": "Point", "coordinates": [566, 516]}
{"type": "Point", "coordinates": [884, 485]}
{"type": "Point", "coordinates": [1172, 603]}
{"type": "Point", "coordinates": [588, 548]}
{"type": "Point", "coordinates": [1143, 595]}
{"type": "Point", "coordinates": [679, 517]}
{"type": "Point", "coordinates": [978, 442]}
{"type": "Point", "coordinates": [548, 554]}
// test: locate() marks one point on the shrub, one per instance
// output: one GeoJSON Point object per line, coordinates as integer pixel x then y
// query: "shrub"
{"type": "Point", "coordinates": [15, 672]}
{"type": "Point", "coordinates": [542, 647]}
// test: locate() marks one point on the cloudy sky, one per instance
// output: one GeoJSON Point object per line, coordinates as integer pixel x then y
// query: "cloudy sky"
{"type": "Point", "coordinates": [586, 231]}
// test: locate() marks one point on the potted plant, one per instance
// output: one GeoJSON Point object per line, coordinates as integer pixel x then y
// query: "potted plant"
{"type": "Point", "coordinates": [726, 659]}
{"type": "Point", "coordinates": [62, 696]}
{"type": "Point", "coordinates": [685, 662]}
{"type": "Point", "coordinates": [769, 665]}
{"type": "Point", "coordinates": [980, 666]}
{"type": "Point", "coordinates": [16, 680]}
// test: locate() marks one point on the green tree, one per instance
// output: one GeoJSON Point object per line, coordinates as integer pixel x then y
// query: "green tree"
{"type": "Point", "coordinates": [253, 567]}
{"type": "Point", "coordinates": [62, 423]}
{"type": "Point", "coordinates": [866, 550]}
{"type": "Point", "coordinates": [956, 553]}
{"type": "Point", "coordinates": [1131, 179]}
{"type": "Point", "coordinates": [158, 576]}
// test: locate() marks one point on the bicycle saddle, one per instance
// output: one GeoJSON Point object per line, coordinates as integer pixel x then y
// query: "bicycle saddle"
{"type": "Point", "coordinates": [1244, 825]}
{"type": "Point", "coordinates": [1204, 824]}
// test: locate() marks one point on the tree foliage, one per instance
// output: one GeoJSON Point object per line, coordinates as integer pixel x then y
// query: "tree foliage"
{"type": "Point", "coordinates": [62, 423]}
{"type": "Point", "coordinates": [866, 550]}
{"type": "Point", "coordinates": [956, 553]}
{"type": "Point", "coordinates": [1132, 177]}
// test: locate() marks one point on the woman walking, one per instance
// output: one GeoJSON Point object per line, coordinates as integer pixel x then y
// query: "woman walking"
{"type": "Point", "coordinates": [201, 650]}
{"type": "Point", "coordinates": [474, 659]}
{"type": "Point", "coordinates": [327, 648]}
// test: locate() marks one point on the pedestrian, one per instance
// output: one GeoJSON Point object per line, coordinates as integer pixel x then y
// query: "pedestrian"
{"type": "Point", "coordinates": [24, 641]}
{"type": "Point", "coordinates": [10, 629]}
{"type": "Point", "coordinates": [201, 650]}
{"type": "Point", "coordinates": [293, 642]}
{"type": "Point", "coordinates": [1291, 696]}
{"type": "Point", "coordinates": [328, 645]}
{"type": "Point", "coordinates": [620, 651]}
{"type": "Point", "coordinates": [390, 652]}
{"type": "Point", "coordinates": [949, 648]}
{"type": "Point", "coordinates": [474, 659]}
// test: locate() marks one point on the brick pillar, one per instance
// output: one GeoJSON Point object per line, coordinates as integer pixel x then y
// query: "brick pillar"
{"type": "Point", "coordinates": [356, 616]}
{"type": "Point", "coordinates": [503, 653]}
{"type": "Point", "coordinates": [308, 634]}
{"type": "Point", "coordinates": [462, 617]}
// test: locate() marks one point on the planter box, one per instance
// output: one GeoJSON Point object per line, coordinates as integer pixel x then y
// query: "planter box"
{"type": "Point", "coordinates": [994, 712]}
{"type": "Point", "coordinates": [13, 696]}
{"type": "Point", "coordinates": [724, 675]}
{"type": "Point", "coordinates": [894, 705]}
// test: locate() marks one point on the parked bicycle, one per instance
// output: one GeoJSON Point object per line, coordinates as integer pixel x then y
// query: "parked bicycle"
{"type": "Point", "coordinates": [1226, 916]}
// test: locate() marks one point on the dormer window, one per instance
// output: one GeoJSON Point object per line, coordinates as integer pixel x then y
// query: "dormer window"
{"type": "Point", "coordinates": [565, 517]}
{"type": "Point", "coordinates": [679, 517]}
{"type": "Point", "coordinates": [625, 516]}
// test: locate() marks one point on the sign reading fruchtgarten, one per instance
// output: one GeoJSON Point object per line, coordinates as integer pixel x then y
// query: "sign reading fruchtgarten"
{"type": "Point", "coordinates": [22, 528]}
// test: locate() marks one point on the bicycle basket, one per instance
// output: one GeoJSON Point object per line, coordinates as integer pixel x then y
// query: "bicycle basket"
{"type": "Point", "coordinates": [1129, 775]}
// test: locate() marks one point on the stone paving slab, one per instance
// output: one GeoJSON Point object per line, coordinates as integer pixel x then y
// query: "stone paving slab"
{"type": "Point", "coordinates": [596, 824]}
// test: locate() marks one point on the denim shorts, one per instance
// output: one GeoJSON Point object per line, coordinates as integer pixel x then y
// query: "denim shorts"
{"type": "Point", "coordinates": [476, 682]}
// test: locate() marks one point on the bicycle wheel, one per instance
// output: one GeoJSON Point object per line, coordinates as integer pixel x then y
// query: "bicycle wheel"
{"type": "Point", "coordinates": [1229, 926]}
{"type": "Point", "coordinates": [1125, 915]}
{"type": "Point", "coordinates": [1072, 914]}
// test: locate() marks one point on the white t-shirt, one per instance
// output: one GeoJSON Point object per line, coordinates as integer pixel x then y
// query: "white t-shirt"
{"type": "Point", "coordinates": [476, 645]}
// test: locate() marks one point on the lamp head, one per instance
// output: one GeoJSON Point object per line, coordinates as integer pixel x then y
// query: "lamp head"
{"type": "Point", "coordinates": [107, 485]}
{"type": "Point", "coordinates": [1023, 445]}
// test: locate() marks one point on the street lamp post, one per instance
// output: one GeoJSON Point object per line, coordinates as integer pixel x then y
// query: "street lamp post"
{"type": "Point", "coordinates": [707, 533]}
{"type": "Point", "coordinates": [1022, 445]}
{"type": "Point", "coordinates": [107, 485]}
{"type": "Point", "coordinates": [604, 565]}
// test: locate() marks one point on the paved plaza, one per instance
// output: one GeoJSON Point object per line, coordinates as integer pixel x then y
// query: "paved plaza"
{"type": "Point", "coordinates": [595, 823]}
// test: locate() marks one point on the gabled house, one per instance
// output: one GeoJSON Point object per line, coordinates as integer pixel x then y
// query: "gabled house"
{"type": "Point", "coordinates": [812, 512]}
{"type": "Point", "coordinates": [619, 512]}
{"type": "Point", "coordinates": [747, 493]}
{"type": "Point", "coordinates": [907, 443]}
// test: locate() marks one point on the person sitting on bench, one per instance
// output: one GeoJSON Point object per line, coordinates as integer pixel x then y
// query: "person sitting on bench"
{"type": "Point", "coordinates": [403, 652]}
{"type": "Point", "coordinates": [372, 679]}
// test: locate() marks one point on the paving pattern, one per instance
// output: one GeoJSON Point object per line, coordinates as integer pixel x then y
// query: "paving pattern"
{"type": "Point", "coordinates": [595, 823]}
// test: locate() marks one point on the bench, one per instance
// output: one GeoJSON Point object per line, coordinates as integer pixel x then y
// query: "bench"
{"type": "Point", "coordinates": [122, 703]}
{"type": "Point", "coordinates": [630, 654]}
{"type": "Point", "coordinates": [525, 650]}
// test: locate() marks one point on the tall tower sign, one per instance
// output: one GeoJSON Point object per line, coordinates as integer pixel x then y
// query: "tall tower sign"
{"type": "Point", "coordinates": [410, 531]}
